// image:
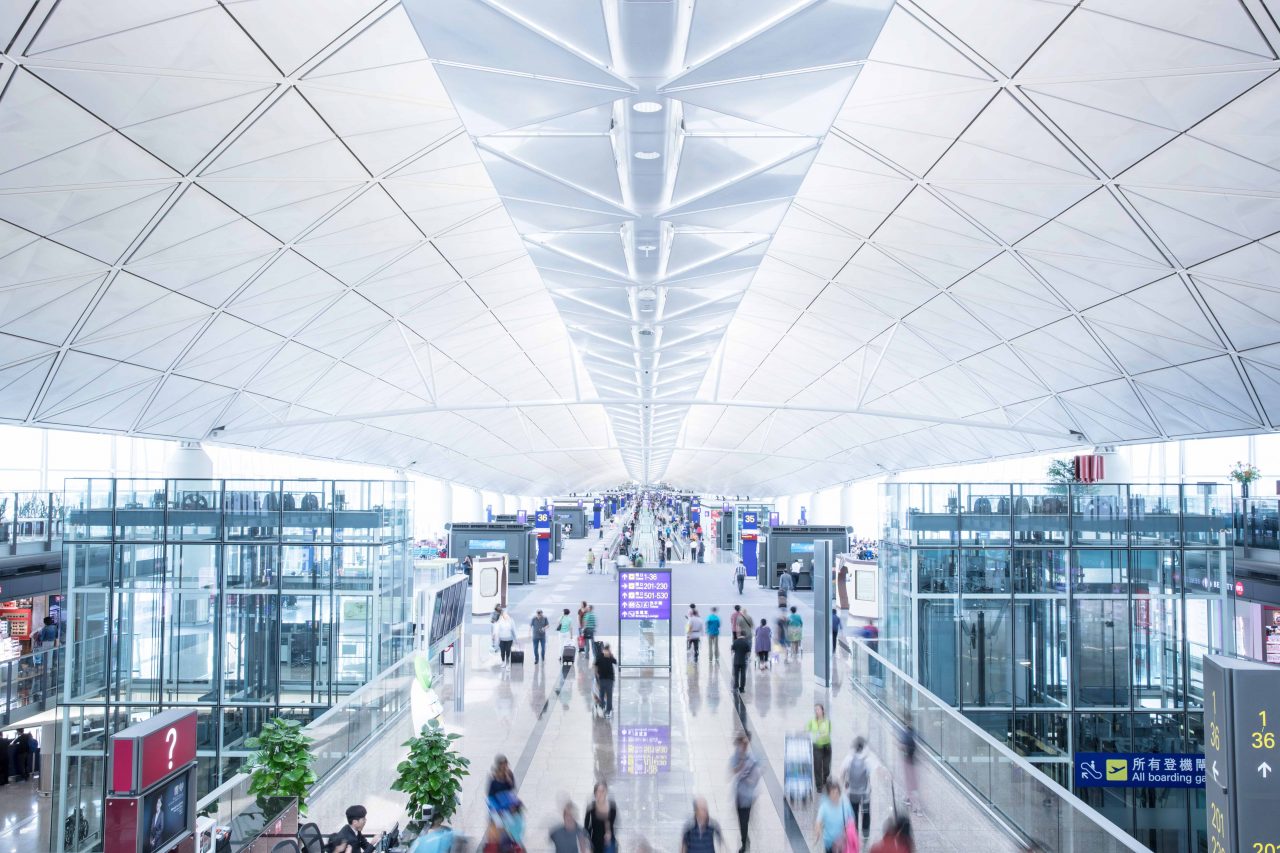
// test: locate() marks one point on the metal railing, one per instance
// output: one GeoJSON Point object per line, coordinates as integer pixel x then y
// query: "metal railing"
{"type": "Point", "coordinates": [1005, 783]}
{"type": "Point", "coordinates": [30, 522]}
{"type": "Point", "coordinates": [29, 684]}
{"type": "Point", "coordinates": [336, 734]}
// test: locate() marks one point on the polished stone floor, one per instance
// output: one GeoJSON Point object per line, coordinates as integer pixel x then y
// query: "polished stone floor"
{"type": "Point", "coordinates": [668, 741]}
{"type": "Point", "coordinates": [24, 818]}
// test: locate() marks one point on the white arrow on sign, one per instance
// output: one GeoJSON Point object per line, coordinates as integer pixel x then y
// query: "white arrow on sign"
{"type": "Point", "coordinates": [1215, 773]}
{"type": "Point", "coordinates": [1264, 768]}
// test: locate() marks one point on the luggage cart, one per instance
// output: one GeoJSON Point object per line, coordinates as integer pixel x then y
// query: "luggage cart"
{"type": "Point", "coordinates": [797, 767]}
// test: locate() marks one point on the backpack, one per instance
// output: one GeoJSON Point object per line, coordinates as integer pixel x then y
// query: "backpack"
{"type": "Point", "coordinates": [857, 779]}
{"type": "Point", "coordinates": [310, 503]}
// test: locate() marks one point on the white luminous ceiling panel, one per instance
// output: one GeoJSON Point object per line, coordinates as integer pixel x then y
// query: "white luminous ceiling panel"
{"type": "Point", "coordinates": [755, 246]}
{"type": "Point", "coordinates": [647, 153]}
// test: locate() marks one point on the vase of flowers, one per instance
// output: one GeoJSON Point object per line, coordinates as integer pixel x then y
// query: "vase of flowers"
{"type": "Point", "coordinates": [1245, 473]}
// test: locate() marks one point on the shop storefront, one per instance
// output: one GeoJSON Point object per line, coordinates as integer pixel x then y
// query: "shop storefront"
{"type": "Point", "coordinates": [1257, 619]}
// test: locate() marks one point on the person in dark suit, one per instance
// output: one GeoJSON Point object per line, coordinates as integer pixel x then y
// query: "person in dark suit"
{"type": "Point", "coordinates": [352, 835]}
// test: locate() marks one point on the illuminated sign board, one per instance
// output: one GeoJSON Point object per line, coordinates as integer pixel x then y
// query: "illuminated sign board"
{"type": "Point", "coordinates": [644, 750]}
{"type": "Point", "coordinates": [486, 544]}
{"type": "Point", "coordinates": [1242, 754]}
{"type": "Point", "coordinates": [1139, 770]}
{"type": "Point", "coordinates": [644, 595]}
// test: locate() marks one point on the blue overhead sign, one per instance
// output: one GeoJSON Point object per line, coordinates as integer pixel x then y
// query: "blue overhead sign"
{"type": "Point", "coordinates": [1139, 770]}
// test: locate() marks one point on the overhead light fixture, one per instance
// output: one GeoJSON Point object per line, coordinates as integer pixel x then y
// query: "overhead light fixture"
{"type": "Point", "coordinates": [646, 106]}
{"type": "Point", "coordinates": [646, 247]}
{"type": "Point", "coordinates": [647, 155]}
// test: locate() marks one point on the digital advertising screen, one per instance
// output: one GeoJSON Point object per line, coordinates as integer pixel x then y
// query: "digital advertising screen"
{"type": "Point", "coordinates": [165, 813]}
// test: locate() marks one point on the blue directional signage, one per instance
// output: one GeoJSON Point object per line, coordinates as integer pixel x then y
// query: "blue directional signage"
{"type": "Point", "coordinates": [1139, 770]}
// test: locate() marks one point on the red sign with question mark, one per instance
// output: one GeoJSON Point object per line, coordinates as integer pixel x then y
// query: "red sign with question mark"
{"type": "Point", "coordinates": [147, 752]}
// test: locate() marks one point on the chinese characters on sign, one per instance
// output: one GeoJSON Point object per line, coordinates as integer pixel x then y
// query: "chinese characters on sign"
{"type": "Point", "coordinates": [1139, 770]}
{"type": "Point", "coordinates": [644, 751]}
{"type": "Point", "coordinates": [644, 595]}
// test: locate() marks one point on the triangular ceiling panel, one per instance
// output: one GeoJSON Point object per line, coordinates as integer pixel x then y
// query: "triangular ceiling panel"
{"type": "Point", "coordinates": [1040, 216]}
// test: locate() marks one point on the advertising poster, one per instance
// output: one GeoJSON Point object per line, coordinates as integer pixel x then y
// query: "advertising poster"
{"type": "Point", "coordinates": [1271, 634]}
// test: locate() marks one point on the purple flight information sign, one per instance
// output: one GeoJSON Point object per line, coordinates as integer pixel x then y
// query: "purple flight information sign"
{"type": "Point", "coordinates": [644, 595]}
{"type": "Point", "coordinates": [644, 751]}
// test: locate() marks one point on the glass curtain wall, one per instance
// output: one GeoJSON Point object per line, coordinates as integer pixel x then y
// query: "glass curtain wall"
{"type": "Point", "coordinates": [1067, 618]}
{"type": "Point", "coordinates": [243, 600]}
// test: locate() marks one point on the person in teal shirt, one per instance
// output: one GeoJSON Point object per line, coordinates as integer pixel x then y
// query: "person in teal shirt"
{"type": "Point", "coordinates": [834, 812]}
{"type": "Point", "coordinates": [438, 839]}
{"type": "Point", "coordinates": [711, 625]}
{"type": "Point", "coordinates": [795, 632]}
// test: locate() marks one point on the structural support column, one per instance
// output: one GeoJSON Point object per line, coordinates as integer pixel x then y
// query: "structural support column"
{"type": "Point", "coordinates": [822, 612]}
{"type": "Point", "coordinates": [846, 504]}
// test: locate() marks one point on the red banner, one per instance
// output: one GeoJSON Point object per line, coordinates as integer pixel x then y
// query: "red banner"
{"type": "Point", "coordinates": [1089, 468]}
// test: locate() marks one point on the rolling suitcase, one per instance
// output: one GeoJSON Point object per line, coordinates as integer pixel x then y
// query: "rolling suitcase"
{"type": "Point", "coordinates": [517, 655]}
{"type": "Point", "coordinates": [797, 767]}
{"type": "Point", "coordinates": [568, 653]}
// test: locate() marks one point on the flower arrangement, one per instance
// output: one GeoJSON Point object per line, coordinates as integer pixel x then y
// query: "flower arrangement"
{"type": "Point", "coordinates": [1245, 473]}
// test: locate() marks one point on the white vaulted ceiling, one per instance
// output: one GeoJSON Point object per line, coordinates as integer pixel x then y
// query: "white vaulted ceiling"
{"type": "Point", "coordinates": [1019, 225]}
{"type": "Point", "coordinates": [647, 153]}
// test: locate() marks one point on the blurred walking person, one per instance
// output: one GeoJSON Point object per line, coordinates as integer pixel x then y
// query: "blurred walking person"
{"type": "Point", "coordinates": [701, 834]}
{"type": "Point", "coordinates": [741, 651]}
{"type": "Point", "coordinates": [819, 729]}
{"type": "Point", "coordinates": [569, 836]}
{"type": "Point", "coordinates": [601, 821]}
{"type": "Point", "coordinates": [693, 633]}
{"type": "Point", "coordinates": [746, 775]}
{"type": "Point", "coordinates": [907, 741]}
{"type": "Point", "coordinates": [856, 775]}
{"type": "Point", "coordinates": [711, 625]}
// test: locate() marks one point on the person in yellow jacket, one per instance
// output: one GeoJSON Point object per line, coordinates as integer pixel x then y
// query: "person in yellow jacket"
{"type": "Point", "coordinates": [819, 729]}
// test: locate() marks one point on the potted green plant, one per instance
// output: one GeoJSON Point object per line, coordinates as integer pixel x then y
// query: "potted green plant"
{"type": "Point", "coordinates": [431, 774]}
{"type": "Point", "coordinates": [280, 770]}
{"type": "Point", "coordinates": [1245, 473]}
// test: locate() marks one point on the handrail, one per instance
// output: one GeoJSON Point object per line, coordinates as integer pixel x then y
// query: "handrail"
{"type": "Point", "coordinates": [1081, 817]}
{"type": "Point", "coordinates": [39, 673]}
{"type": "Point", "coordinates": [376, 686]}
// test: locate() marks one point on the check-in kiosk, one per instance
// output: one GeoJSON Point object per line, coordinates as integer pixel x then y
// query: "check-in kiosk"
{"type": "Point", "coordinates": [478, 539]}
{"type": "Point", "coordinates": [573, 515]}
{"type": "Point", "coordinates": [726, 530]}
{"type": "Point", "coordinates": [791, 542]}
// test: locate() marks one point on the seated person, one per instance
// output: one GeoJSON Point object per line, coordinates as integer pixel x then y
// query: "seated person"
{"type": "Point", "coordinates": [437, 839]}
{"type": "Point", "coordinates": [352, 834]}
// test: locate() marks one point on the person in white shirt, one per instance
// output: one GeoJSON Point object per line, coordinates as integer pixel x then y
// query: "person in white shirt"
{"type": "Point", "coordinates": [693, 632]}
{"type": "Point", "coordinates": [504, 632]}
